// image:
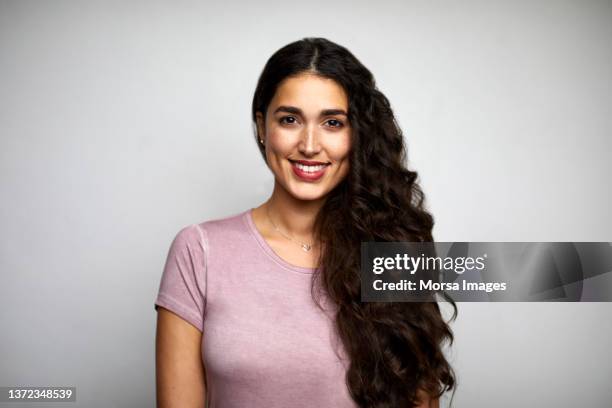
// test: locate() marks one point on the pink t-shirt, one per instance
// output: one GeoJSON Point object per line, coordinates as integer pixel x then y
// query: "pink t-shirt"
{"type": "Point", "coordinates": [264, 341]}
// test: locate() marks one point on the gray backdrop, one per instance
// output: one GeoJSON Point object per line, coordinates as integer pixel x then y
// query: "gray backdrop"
{"type": "Point", "coordinates": [122, 122]}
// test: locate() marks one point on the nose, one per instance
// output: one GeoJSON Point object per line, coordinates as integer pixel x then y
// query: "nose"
{"type": "Point", "coordinates": [309, 142]}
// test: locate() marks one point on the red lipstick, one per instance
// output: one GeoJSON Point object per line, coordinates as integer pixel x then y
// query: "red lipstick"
{"type": "Point", "coordinates": [307, 170]}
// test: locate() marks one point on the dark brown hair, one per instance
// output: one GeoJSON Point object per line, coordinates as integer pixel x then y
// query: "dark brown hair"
{"type": "Point", "coordinates": [395, 349]}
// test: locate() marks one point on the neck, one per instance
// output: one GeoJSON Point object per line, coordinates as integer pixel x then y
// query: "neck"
{"type": "Point", "coordinates": [293, 216]}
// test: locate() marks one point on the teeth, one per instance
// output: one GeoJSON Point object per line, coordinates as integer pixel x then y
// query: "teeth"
{"type": "Point", "coordinates": [309, 169]}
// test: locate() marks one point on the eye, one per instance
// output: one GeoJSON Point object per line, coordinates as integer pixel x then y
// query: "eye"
{"type": "Point", "coordinates": [287, 120]}
{"type": "Point", "coordinates": [335, 123]}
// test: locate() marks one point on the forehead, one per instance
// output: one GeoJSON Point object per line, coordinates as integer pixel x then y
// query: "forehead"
{"type": "Point", "coordinates": [310, 93]}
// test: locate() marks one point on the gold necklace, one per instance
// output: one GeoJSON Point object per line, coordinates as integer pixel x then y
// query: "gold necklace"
{"type": "Point", "coordinates": [306, 247]}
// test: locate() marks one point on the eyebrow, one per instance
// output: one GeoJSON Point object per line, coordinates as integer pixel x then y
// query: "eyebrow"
{"type": "Point", "coordinates": [298, 111]}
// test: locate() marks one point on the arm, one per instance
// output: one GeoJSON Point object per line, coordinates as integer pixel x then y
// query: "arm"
{"type": "Point", "coordinates": [180, 373]}
{"type": "Point", "coordinates": [431, 403]}
{"type": "Point", "coordinates": [426, 401]}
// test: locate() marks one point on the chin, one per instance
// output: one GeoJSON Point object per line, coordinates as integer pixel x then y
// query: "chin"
{"type": "Point", "coordinates": [307, 196]}
{"type": "Point", "coordinates": [307, 193]}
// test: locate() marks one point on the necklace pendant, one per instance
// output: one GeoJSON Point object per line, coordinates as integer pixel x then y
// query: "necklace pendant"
{"type": "Point", "coordinates": [306, 247]}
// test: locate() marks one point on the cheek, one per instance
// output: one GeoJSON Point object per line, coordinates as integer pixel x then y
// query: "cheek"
{"type": "Point", "coordinates": [344, 168]}
{"type": "Point", "coordinates": [280, 142]}
{"type": "Point", "coordinates": [339, 148]}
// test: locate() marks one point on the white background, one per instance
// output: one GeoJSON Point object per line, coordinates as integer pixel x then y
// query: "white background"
{"type": "Point", "coordinates": [121, 122]}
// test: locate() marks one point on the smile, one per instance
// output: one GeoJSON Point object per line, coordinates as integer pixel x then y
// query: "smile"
{"type": "Point", "coordinates": [308, 171]}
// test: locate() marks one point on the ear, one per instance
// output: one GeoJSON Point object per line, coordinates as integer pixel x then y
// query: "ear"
{"type": "Point", "coordinates": [261, 127]}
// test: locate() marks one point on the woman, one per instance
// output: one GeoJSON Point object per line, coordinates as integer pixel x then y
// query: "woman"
{"type": "Point", "coordinates": [262, 308]}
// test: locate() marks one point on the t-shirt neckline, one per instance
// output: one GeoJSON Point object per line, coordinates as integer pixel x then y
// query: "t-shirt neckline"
{"type": "Point", "coordinates": [248, 216]}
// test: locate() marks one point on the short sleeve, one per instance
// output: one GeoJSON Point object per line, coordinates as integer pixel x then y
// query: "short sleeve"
{"type": "Point", "coordinates": [182, 289]}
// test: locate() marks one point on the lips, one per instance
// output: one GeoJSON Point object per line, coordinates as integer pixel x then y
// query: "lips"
{"type": "Point", "coordinates": [308, 170]}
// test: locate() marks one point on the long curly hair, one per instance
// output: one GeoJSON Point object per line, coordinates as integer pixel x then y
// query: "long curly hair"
{"type": "Point", "coordinates": [395, 348]}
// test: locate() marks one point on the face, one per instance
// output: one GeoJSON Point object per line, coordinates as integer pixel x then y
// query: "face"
{"type": "Point", "coordinates": [307, 135]}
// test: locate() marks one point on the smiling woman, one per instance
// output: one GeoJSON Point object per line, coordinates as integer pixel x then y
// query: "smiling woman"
{"type": "Point", "coordinates": [262, 308]}
{"type": "Point", "coordinates": [307, 136]}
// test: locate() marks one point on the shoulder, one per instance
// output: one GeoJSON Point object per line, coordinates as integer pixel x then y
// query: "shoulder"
{"type": "Point", "coordinates": [229, 226]}
{"type": "Point", "coordinates": [199, 234]}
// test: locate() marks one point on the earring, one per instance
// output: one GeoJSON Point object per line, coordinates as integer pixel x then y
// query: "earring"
{"type": "Point", "coordinates": [261, 141]}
